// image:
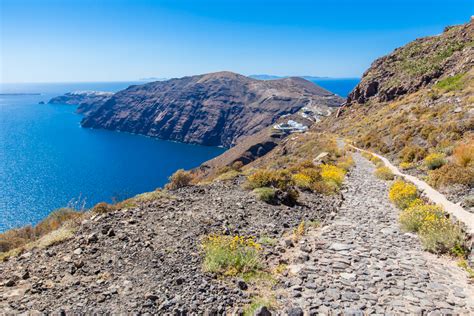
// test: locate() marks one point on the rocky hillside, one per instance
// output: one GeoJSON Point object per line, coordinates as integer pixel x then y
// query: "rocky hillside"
{"type": "Point", "coordinates": [416, 106]}
{"type": "Point", "coordinates": [418, 64]}
{"type": "Point", "coordinates": [215, 109]}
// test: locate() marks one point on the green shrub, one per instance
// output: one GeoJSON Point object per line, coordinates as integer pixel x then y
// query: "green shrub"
{"type": "Point", "coordinates": [452, 83]}
{"type": "Point", "coordinates": [412, 218]}
{"type": "Point", "coordinates": [434, 161]}
{"type": "Point", "coordinates": [265, 194]}
{"type": "Point", "coordinates": [179, 179]}
{"type": "Point", "coordinates": [402, 194]}
{"type": "Point", "coordinates": [384, 173]}
{"type": "Point", "coordinates": [231, 255]}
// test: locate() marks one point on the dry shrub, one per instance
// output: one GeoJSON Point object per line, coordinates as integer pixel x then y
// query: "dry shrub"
{"type": "Point", "coordinates": [237, 165]}
{"type": "Point", "coordinates": [384, 173]}
{"type": "Point", "coordinates": [464, 154]}
{"type": "Point", "coordinates": [103, 207]}
{"type": "Point", "coordinates": [19, 237]}
{"type": "Point", "coordinates": [280, 179]}
{"type": "Point", "coordinates": [179, 179]}
{"type": "Point", "coordinates": [345, 163]}
{"type": "Point", "coordinates": [451, 174]}
{"type": "Point", "coordinates": [326, 188]}
{"type": "Point", "coordinates": [412, 153]}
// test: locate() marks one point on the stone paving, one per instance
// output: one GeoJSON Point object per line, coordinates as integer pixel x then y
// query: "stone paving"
{"type": "Point", "coordinates": [361, 263]}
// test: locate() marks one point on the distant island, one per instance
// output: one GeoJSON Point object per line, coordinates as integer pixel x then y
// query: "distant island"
{"type": "Point", "coordinates": [216, 109]}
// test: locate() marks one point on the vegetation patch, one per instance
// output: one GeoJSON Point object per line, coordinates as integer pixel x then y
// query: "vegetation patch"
{"type": "Point", "coordinates": [16, 238]}
{"type": "Point", "coordinates": [406, 165]}
{"type": "Point", "coordinates": [452, 83]}
{"type": "Point", "coordinates": [402, 194]}
{"type": "Point", "coordinates": [451, 174]}
{"type": "Point", "coordinates": [266, 194]}
{"type": "Point", "coordinates": [434, 161]}
{"type": "Point", "coordinates": [231, 255]}
{"type": "Point", "coordinates": [332, 174]}
{"type": "Point", "coordinates": [179, 179]}
{"type": "Point", "coordinates": [440, 234]}
{"type": "Point", "coordinates": [464, 154]}
{"type": "Point", "coordinates": [412, 218]}
{"type": "Point", "coordinates": [384, 173]}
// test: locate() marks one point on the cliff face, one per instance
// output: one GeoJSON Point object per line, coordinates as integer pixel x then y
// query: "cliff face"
{"type": "Point", "coordinates": [212, 109]}
{"type": "Point", "coordinates": [416, 65]}
{"type": "Point", "coordinates": [87, 100]}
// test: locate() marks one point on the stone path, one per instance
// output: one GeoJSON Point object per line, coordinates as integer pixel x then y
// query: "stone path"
{"type": "Point", "coordinates": [436, 197]}
{"type": "Point", "coordinates": [361, 263]}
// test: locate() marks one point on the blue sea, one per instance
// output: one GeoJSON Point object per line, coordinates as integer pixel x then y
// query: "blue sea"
{"type": "Point", "coordinates": [48, 161]}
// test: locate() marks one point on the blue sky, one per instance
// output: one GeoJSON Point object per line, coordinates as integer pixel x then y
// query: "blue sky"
{"type": "Point", "coordinates": [93, 40]}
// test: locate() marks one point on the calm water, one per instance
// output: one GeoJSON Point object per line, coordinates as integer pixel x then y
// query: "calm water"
{"type": "Point", "coordinates": [47, 160]}
{"type": "Point", "coordinates": [340, 87]}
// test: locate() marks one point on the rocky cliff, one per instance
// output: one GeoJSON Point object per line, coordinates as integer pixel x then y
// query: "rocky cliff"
{"type": "Point", "coordinates": [418, 64]}
{"type": "Point", "coordinates": [215, 109]}
{"type": "Point", "coordinates": [86, 100]}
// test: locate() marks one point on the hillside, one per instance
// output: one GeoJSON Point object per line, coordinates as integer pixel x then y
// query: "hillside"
{"type": "Point", "coordinates": [417, 104]}
{"type": "Point", "coordinates": [216, 109]}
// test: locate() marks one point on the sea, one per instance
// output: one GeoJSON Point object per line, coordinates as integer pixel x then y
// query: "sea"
{"type": "Point", "coordinates": [48, 161]}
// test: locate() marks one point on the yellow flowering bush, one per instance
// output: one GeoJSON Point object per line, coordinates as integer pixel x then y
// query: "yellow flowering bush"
{"type": "Point", "coordinates": [434, 161]}
{"type": "Point", "coordinates": [406, 165]}
{"type": "Point", "coordinates": [302, 181]}
{"type": "Point", "coordinates": [384, 173]}
{"type": "Point", "coordinates": [402, 193]}
{"type": "Point", "coordinates": [231, 255]}
{"type": "Point", "coordinates": [413, 218]}
{"type": "Point", "coordinates": [439, 234]}
{"type": "Point", "coordinates": [332, 174]}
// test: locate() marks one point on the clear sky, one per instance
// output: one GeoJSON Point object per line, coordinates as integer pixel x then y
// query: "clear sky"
{"type": "Point", "coordinates": [94, 40]}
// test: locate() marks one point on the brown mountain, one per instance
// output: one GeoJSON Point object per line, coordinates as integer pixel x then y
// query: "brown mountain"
{"type": "Point", "coordinates": [212, 109]}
